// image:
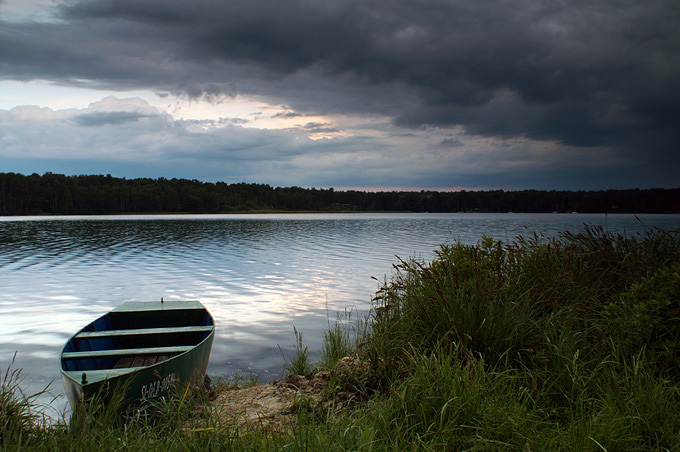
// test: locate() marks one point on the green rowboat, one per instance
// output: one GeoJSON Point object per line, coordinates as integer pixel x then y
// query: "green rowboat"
{"type": "Point", "coordinates": [141, 346]}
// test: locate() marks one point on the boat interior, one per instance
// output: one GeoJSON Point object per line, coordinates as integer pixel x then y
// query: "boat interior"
{"type": "Point", "coordinates": [134, 337]}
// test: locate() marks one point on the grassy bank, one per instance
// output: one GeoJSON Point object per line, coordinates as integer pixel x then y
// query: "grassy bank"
{"type": "Point", "coordinates": [569, 344]}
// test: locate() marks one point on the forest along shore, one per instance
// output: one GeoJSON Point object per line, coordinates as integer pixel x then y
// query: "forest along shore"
{"type": "Point", "coordinates": [57, 194]}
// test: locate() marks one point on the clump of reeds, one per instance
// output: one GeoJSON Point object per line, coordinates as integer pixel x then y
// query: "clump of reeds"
{"type": "Point", "coordinates": [21, 419]}
{"type": "Point", "coordinates": [574, 340]}
{"type": "Point", "coordinates": [501, 302]}
{"type": "Point", "coordinates": [14, 413]}
{"type": "Point", "coordinates": [182, 421]}
{"type": "Point", "coordinates": [299, 364]}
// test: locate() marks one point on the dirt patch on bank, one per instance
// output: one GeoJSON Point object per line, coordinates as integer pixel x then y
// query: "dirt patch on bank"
{"type": "Point", "coordinates": [274, 405]}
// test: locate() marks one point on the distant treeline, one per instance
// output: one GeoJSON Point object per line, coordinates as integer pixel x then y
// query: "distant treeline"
{"type": "Point", "coordinates": [87, 195]}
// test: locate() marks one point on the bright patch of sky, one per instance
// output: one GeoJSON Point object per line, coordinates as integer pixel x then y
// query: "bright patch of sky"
{"type": "Point", "coordinates": [56, 97]}
{"type": "Point", "coordinates": [238, 110]}
{"type": "Point", "coordinates": [28, 10]}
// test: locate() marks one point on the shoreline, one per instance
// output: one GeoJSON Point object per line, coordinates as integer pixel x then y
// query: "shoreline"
{"type": "Point", "coordinates": [532, 345]}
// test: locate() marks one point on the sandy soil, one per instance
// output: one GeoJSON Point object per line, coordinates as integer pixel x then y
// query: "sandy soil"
{"type": "Point", "coordinates": [272, 405]}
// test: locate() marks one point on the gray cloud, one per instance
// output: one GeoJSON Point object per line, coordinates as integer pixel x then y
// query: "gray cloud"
{"type": "Point", "coordinates": [287, 114]}
{"type": "Point", "coordinates": [221, 122]}
{"type": "Point", "coordinates": [450, 143]}
{"type": "Point", "coordinates": [108, 118]}
{"type": "Point", "coordinates": [318, 127]}
{"type": "Point", "coordinates": [589, 75]}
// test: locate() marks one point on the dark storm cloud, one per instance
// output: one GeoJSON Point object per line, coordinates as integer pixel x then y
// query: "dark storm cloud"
{"type": "Point", "coordinates": [287, 114]}
{"type": "Point", "coordinates": [318, 127]}
{"type": "Point", "coordinates": [581, 73]}
{"type": "Point", "coordinates": [450, 143]}
{"type": "Point", "coordinates": [108, 118]}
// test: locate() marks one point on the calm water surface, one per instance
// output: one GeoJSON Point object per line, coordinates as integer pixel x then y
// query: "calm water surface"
{"type": "Point", "coordinates": [259, 275]}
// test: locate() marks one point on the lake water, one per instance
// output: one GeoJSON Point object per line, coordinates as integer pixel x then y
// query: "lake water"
{"type": "Point", "coordinates": [259, 275]}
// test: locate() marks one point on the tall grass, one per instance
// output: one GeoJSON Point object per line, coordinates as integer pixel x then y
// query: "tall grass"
{"type": "Point", "coordinates": [342, 338]}
{"type": "Point", "coordinates": [299, 364]}
{"type": "Point", "coordinates": [19, 413]}
{"type": "Point", "coordinates": [564, 344]}
{"type": "Point", "coordinates": [587, 324]}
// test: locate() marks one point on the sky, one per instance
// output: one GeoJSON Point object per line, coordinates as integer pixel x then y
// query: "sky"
{"type": "Point", "coordinates": [349, 94]}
